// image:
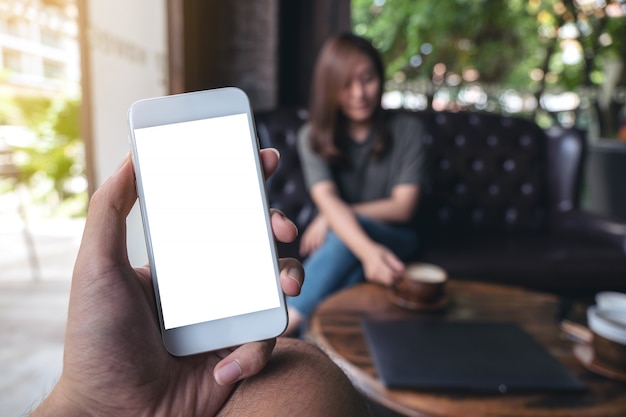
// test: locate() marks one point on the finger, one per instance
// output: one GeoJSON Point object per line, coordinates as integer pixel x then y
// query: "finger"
{"type": "Point", "coordinates": [303, 242]}
{"type": "Point", "coordinates": [291, 276]}
{"type": "Point", "coordinates": [284, 229]}
{"type": "Point", "coordinates": [317, 243]}
{"type": "Point", "coordinates": [394, 262]}
{"type": "Point", "coordinates": [104, 237]}
{"type": "Point", "coordinates": [304, 247]}
{"type": "Point", "coordinates": [243, 362]}
{"type": "Point", "coordinates": [387, 278]}
{"type": "Point", "coordinates": [269, 159]}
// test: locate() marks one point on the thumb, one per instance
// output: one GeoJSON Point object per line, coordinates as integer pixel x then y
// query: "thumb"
{"type": "Point", "coordinates": [104, 238]}
{"type": "Point", "coordinates": [269, 160]}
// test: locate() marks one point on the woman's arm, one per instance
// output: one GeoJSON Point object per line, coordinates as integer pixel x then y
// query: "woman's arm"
{"type": "Point", "coordinates": [379, 263]}
{"type": "Point", "coordinates": [314, 235]}
{"type": "Point", "coordinates": [398, 208]}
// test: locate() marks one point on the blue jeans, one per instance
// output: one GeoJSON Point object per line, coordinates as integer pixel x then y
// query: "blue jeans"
{"type": "Point", "coordinates": [333, 266]}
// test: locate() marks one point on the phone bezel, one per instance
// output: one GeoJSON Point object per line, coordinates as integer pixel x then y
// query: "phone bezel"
{"type": "Point", "coordinates": [229, 331]}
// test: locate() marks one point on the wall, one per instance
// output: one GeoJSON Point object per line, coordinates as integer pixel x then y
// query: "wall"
{"type": "Point", "coordinates": [123, 59]}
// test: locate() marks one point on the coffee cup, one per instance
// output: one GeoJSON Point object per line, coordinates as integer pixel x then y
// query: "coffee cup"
{"type": "Point", "coordinates": [421, 284]}
{"type": "Point", "coordinates": [611, 300]}
{"type": "Point", "coordinates": [609, 336]}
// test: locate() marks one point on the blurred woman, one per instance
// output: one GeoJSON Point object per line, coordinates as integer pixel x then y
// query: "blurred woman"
{"type": "Point", "coordinates": [363, 168]}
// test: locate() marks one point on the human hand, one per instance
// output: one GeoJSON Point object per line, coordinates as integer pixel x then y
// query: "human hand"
{"type": "Point", "coordinates": [381, 265]}
{"type": "Point", "coordinates": [115, 362]}
{"type": "Point", "coordinates": [314, 235]}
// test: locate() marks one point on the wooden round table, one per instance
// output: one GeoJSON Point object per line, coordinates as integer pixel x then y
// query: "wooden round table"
{"type": "Point", "coordinates": [336, 328]}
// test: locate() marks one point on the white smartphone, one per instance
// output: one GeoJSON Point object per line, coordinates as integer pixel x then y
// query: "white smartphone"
{"type": "Point", "coordinates": [206, 220]}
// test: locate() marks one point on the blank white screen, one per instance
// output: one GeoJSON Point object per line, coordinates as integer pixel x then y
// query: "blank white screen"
{"type": "Point", "coordinates": [204, 207]}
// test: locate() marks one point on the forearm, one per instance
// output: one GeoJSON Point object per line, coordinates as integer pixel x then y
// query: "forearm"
{"type": "Point", "coordinates": [379, 263]}
{"type": "Point", "coordinates": [382, 210]}
{"type": "Point", "coordinates": [398, 208]}
{"type": "Point", "coordinates": [342, 219]}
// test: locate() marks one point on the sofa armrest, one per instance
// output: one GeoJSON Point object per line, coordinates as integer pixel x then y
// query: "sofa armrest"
{"type": "Point", "coordinates": [594, 226]}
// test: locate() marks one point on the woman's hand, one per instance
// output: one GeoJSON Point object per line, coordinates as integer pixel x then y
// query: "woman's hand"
{"type": "Point", "coordinates": [381, 265]}
{"type": "Point", "coordinates": [115, 362]}
{"type": "Point", "coordinates": [314, 235]}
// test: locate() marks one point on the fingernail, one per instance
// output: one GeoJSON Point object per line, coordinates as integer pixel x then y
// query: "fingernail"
{"type": "Point", "coordinates": [294, 274]}
{"type": "Point", "coordinates": [275, 151]}
{"type": "Point", "coordinates": [284, 216]}
{"type": "Point", "coordinates": [228, 374]}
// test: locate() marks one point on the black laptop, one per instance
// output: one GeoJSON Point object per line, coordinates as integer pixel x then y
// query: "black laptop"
{"type": "Point", "coordinates": [473, 356]}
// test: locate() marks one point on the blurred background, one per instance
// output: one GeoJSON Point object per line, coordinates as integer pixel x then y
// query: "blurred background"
{"type": "Point", "coordinates": [71, 68]}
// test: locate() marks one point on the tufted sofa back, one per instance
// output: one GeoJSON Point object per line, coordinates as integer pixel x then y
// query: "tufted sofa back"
{"type": "Point", "coordinates": [486, 173]}
{"type": "Point", "coordinates": [286, 188]}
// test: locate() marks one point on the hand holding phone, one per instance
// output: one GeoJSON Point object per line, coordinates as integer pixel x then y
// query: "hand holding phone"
{"type": "Point", "coordinates": [206, 220]}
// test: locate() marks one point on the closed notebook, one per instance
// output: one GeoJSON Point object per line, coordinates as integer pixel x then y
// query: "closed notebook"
{"type": "Point", "coordinates": [476, 356]}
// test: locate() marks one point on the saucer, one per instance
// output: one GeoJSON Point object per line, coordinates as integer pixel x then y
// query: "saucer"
{"type": "Point", "coordinates": [417, 306]}
{"type": "Point", "coordinates": [584, 353]}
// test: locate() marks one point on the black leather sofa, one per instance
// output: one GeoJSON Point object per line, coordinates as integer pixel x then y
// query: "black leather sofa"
{"type": "Point", "coordinates": [501, 202]}
{"type": "Point", "coordinates": [605, 178]}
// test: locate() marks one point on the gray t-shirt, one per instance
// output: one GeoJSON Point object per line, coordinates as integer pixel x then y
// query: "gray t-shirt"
{"type": "Point", "coordinates": [366, 179]}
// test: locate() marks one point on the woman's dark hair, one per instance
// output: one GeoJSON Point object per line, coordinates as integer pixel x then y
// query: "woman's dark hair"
{"type": "Point", "coordinates": [332, 70]}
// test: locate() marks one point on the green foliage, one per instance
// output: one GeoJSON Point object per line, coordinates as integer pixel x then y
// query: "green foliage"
{"type": "Point", "coordinates": [54, 160]}
{"type": "Point", "coordinates": [34, 111]}
{"type": "Point", "coordinates": [67, 123]}
{"type": "Point", "coordinates": [9, 114]}
{"type": "Point", "coordinates": [490, 37]}
{"type": "Point", "coordinates": [526, 45]}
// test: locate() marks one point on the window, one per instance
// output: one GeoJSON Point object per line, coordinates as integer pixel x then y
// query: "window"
{"type": "Point", "coordinates": [53, 70]}
{"type": "Point", "coordinates": [12, 60]}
